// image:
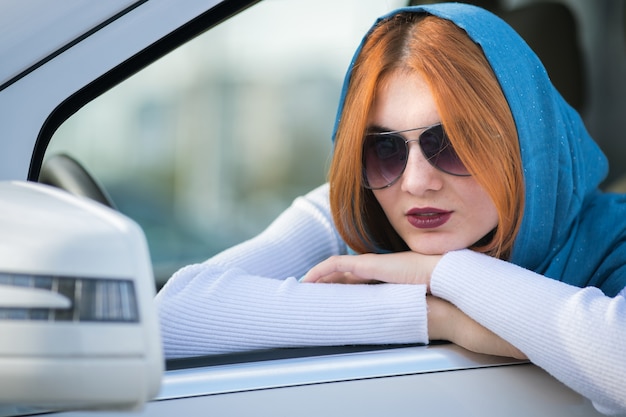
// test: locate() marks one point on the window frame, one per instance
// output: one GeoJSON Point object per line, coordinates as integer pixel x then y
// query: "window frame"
{"type": "Point", "coordinates": [124, 70]}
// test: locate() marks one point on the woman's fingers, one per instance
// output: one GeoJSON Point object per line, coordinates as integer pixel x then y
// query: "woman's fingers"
{"type": "Point", "coordinates": [344, 278]}
{"type": "Point", "coordinates": [338, 268]}
{"type": "Point", "coordinates": [398, 268]}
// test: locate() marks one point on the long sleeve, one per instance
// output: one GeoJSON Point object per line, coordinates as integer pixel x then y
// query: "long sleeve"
{"type": "Point", "coordinates": [576, 334]}
{"type": "Point", "coordinates": [248, 297]}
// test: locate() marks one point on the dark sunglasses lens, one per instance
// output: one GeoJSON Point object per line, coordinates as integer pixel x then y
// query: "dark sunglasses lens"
{"type": "Point", "coordinates": [439, 151]}
{"type": "Point", "coordinates": [384, 158]}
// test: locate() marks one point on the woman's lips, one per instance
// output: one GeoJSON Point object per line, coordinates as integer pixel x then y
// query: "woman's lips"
{"type": "Point", "coordinates": [428, 217]}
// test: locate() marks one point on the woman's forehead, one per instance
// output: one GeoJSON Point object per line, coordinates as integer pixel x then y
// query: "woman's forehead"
{"type": "Point", "coordinates": [403, 100]}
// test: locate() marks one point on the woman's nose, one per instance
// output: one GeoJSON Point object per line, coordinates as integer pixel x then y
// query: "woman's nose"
{"type": "Point", "coordinates": [420, 176]}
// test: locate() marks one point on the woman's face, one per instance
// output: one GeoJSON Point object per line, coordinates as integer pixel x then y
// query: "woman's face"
{"type": "Point", "coordinates": [433, 212]}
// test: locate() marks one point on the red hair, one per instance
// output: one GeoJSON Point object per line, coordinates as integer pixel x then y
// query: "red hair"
{"type": "Point", "coordinates": [473, 110]}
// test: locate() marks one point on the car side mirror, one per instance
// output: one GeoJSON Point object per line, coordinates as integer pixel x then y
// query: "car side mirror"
{"type": "Point", "coordinates": [78, 324]}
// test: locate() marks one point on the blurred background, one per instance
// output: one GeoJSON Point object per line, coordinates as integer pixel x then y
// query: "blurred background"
{"type": "Point", "coordinates": [207, 146]}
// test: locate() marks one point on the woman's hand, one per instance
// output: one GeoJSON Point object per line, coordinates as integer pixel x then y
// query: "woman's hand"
{"type": "Point", "coordinates": [396, 268]}
{"type": "Point", "coordinates": [447, 322]}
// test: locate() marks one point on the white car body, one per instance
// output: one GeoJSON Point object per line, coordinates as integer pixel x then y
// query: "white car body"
{"type": "Point", "coordinates": [55, 53]}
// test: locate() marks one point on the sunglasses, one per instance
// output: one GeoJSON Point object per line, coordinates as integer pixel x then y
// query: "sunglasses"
{"type": "Point", "coordinates": [385, 155]}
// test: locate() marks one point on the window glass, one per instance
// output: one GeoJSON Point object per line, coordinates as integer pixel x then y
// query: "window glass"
{"type": "Point", "coordinates": [209, 144]}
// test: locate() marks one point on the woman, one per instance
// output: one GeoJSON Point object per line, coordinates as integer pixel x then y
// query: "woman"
{"type": "Point", "coordinates": [461, 176]}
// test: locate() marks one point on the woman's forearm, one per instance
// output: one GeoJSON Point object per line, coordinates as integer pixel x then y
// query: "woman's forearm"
{"type": "Point", "coordinates": [576, 334]}
{"type": "Point", "coordinates": [221, 311]}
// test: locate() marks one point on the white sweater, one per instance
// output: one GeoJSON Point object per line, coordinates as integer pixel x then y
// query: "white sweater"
{"type": "Point", "coordinates": [248, 297]}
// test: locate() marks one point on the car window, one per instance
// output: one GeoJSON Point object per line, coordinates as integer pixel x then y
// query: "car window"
{"type": "Point", "coordinates": [206, 146]}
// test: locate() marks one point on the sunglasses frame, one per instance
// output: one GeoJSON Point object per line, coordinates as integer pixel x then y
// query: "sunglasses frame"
{"type": "Point", "coordinates": [397, 133]}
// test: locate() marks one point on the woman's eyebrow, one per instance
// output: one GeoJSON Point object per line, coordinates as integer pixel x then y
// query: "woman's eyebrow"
{"type": "Point", "coordinates": [378, 129]}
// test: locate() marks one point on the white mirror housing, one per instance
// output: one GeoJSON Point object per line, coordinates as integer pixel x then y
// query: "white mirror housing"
{"type": "Point", "coordinates": [79, 328]}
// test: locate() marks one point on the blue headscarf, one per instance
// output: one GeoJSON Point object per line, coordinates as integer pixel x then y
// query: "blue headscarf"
{"type": "Point", "coordinates": [570, 231]}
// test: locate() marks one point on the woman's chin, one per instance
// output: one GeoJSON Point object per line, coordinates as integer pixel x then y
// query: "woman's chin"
{"type": "Point", "coordinates": [430, 248]}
